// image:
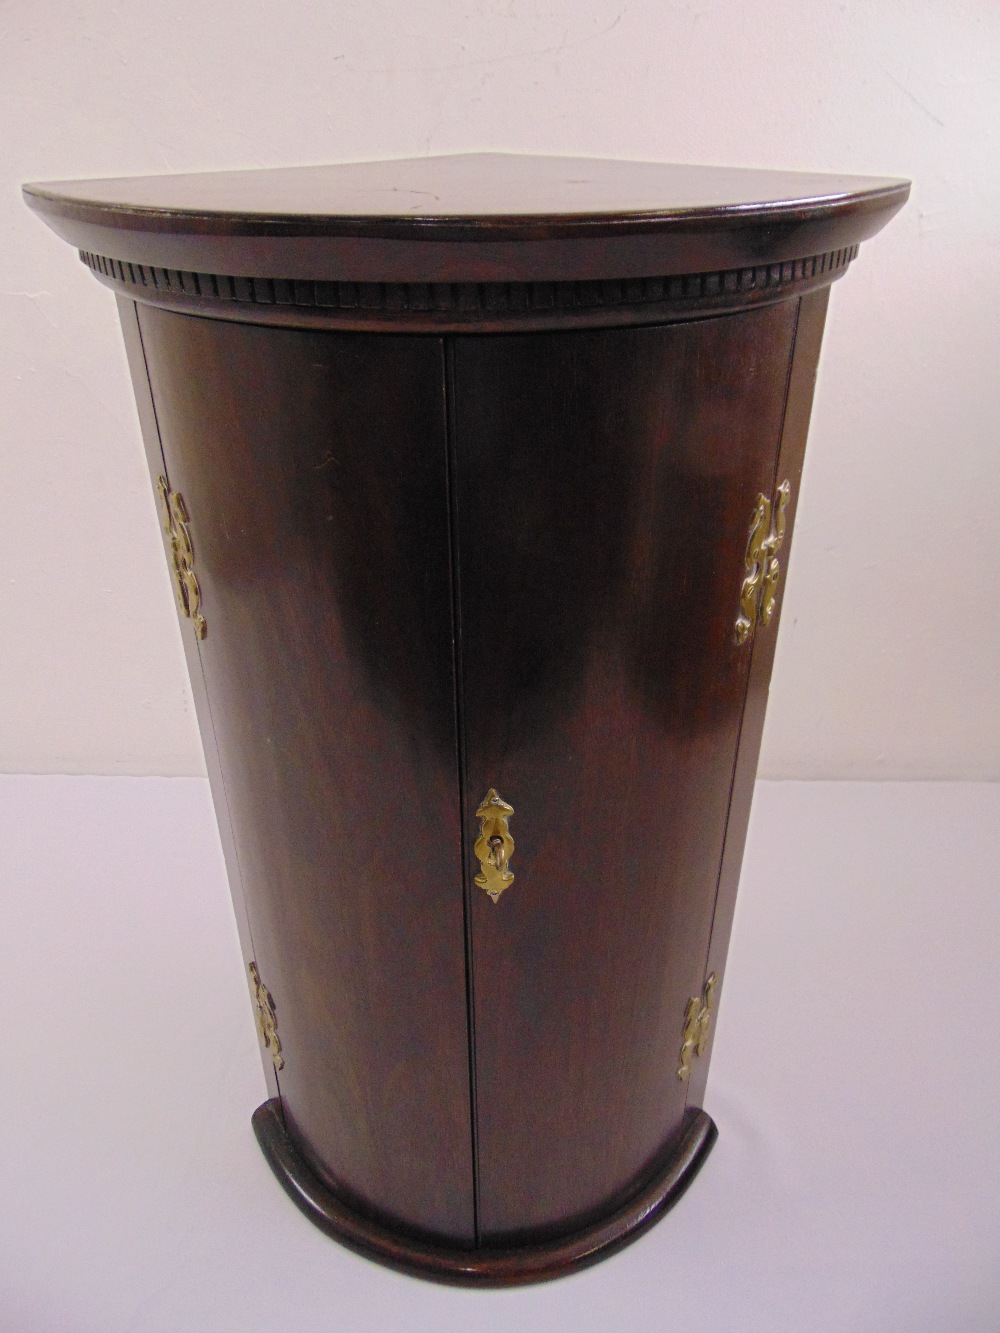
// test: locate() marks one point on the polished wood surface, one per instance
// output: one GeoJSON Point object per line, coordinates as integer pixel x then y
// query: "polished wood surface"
{"type": "Point", "coordinates": [791, 456]}
{"type": "Point", "coordinates": [128, 313]}
{"type": "Point", "coordinates": [449, 195]}
{"type": "Point", "coordinates": [470, 449]}
{"type": "Point", "coordinates": [313, 467]}
{"type": "Point", "coordinates": [605, 483]}
{"type": "Point", "coordinates": [601, 692]}
{"type": "Point", "coordinates": [464, 307]}
{"type": "Point", "coordinates": [468, 217]}
{"type": "Point", "coordinates": [488, 1265]}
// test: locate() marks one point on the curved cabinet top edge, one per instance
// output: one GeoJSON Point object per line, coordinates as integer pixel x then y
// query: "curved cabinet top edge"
{"type": "Point", "coordinates": [469, 217]}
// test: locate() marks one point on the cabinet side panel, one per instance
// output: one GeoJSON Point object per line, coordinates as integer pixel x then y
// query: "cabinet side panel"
{"type": "Point", "coordinates": [128, 314]}
{"type": "Point", "coordinates": [606, 481]}
{"type": "Point", "coordinates": [802, 382]}
{"type": "Point", "coordinates": [313, 469]}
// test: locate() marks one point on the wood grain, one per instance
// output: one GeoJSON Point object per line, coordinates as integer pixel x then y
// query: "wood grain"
{"type": "Point", "coordinates": [128, 315]}
{"type": "Point", "coordinates": [313, 467]}
{"type": "Point", "coordinates": [484, 307]}
{"type": "Point", "coordinates": [605, 483]}
{"type": "Point", "coordinates": [795, 427]}
{"type": "Point", "coordinates": [487, 1265]}
{"type": "Point", "coordinates": [471, 217]}
{"type": "Point", "coordinates": [469, 448]}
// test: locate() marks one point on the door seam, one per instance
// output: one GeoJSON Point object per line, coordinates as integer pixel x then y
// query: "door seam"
{"type": "Point", "coordinates": [451, 474]}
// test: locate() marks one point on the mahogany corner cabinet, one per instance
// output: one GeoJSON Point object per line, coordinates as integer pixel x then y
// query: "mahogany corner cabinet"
{"type": "Point", "coordinates": [477, 477]}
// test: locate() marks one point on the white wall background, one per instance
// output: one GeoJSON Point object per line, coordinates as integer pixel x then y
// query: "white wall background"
{"type": "Point", "coordinates": [888, 664]}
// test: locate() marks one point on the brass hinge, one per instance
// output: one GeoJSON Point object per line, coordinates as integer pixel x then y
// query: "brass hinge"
{"type": "Point", "coordinates": [177, 526]}
{"type": "Point", "coordinates": [697, 1022]}
{"type": "Point", "coordinates": [758, 595]}
{"type": "Point", "coordinates": [267, 1020]}
{"type": "Point", "coordinates": [494, 847]}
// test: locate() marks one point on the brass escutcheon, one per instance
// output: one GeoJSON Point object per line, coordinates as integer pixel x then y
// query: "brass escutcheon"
{"type": "Point", "coordinates": [494, 847]}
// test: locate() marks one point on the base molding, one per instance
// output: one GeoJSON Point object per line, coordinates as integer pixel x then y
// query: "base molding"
{"type": "Point", "coordinates": [485, 1266]}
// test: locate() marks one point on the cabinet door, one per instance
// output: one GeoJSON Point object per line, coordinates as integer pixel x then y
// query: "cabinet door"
{"type": "Point", "coordinates": [605, 483]}
{"type": "Point", "coordinates": [313, 468]}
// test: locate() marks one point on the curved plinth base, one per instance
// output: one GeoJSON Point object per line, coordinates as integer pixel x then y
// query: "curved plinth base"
{"type": "Point", "coordinates": [483, 1267]}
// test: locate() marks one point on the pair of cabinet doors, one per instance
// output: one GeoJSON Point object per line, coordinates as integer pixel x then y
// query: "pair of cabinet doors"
{"type": "Point", "coordinates": [434, 566]}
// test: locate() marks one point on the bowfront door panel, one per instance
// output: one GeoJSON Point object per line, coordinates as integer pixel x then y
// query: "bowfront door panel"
{"type": "Point", "coordinates": [313, 470]}
{"type": "Point", "coordinates": [605, 484]}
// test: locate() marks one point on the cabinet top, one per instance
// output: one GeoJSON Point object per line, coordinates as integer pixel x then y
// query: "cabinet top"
{"type": "Point", "coordinates": [468, 217]}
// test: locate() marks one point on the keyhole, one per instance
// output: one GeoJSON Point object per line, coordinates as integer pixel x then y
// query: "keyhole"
{"type": "Point", "coordinates": [496, 847]}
